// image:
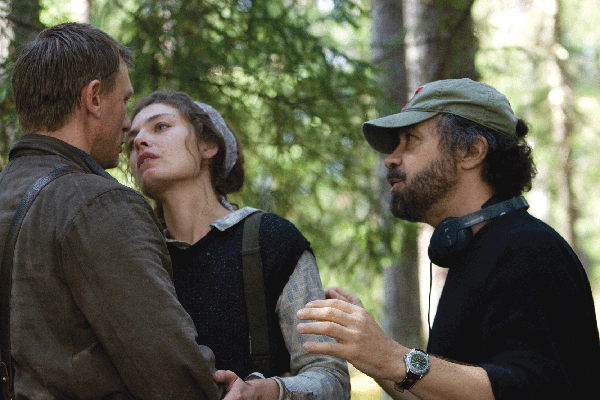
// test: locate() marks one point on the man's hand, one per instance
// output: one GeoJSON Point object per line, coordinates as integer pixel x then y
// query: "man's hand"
{"type": "Point", "coordinates": [364, 344]}
{"type": "Point", "coordinates": [360, 339]}
{"type": "Point", "coordinates": [342, 294]}
{"type": "Point", "coordinates": [238, 389]}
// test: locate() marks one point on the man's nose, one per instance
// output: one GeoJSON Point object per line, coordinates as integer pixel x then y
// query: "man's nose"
{"type": "Point", "coordinates": [394, 160]}
{"type": "Point", "coordinates": [126, 124]}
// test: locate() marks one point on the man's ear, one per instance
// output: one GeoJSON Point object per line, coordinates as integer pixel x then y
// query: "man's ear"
{"type": "Point", "coordinates": [474, 156]}
{"type": "Point", "coordinates": [90, 98]}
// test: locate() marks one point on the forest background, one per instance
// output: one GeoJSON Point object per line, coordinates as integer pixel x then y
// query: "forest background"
{"type": "Point", "coordinates": [296, 79]}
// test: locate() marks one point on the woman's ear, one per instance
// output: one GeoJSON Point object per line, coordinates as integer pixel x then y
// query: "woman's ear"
{"type": "Point", "coordinates": [90, 98]}
{"type": "Point", "coordinates": [474, 156]}
{"type": "Point", "coordinates": [208, 150]}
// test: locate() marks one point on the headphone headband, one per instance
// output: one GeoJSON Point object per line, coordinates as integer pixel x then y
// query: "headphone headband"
{"type": "Point", "coordinates": [493, 211]}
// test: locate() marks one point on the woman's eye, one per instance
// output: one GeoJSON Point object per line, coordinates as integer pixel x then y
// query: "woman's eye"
{"type": "Point", "coordinates": [161, 126]}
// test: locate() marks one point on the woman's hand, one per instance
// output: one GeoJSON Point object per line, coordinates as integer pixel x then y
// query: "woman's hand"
{"type": "Point", "coordinates": [255, 389]}
{"type": "Point", "coordinates": [342, 294]}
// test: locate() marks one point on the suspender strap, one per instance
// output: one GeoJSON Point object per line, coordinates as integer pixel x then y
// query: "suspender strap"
{"type": "Point", "coordinates": [6, 274]}
{"type": "Point", "coordinates": [254, 289]}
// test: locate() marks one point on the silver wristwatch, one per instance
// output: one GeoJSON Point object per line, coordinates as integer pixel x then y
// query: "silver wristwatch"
{"type": "Point", "coordinates": [417, 365]}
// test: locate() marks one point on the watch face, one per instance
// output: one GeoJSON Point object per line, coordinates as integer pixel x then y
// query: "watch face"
{"type": "Point", "coordinates": [419, 363]}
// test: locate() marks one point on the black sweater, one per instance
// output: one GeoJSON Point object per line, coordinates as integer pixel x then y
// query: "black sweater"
{"type": "Point", "coordinates": [209, 283]}
{"type": "Point", "coordinates": [518, 304]}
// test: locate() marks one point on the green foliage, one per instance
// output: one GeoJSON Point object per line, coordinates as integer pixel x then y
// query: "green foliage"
{"type": "Point", "coordinates": [292, 82]}
{"type": "Point", "coordinates": [17, 20]}
{"type": "Point", "coordinates": [279, 73]}
{"type": "Point", "coordinates": [6, 108]}
{"type": "Point", "coordinates": [55, 12]}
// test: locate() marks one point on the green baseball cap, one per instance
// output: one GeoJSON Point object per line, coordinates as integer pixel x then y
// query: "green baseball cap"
{"type": "Point", "coordinates": [475, 101]}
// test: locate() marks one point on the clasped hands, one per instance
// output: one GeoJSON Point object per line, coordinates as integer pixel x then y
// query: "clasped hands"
{"type": "Point", "coordinates": [238, 389]}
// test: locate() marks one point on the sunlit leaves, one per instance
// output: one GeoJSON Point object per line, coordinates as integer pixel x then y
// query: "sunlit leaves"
{"type": "Point", "coordinates": [291, 90]}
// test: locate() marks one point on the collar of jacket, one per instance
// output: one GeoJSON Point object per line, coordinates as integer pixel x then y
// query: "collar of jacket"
{"type": "Point", "coordinates": [33, 144]}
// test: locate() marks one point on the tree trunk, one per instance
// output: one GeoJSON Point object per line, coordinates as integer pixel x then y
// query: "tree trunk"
{"type": "Point", "coordinates": [440, 44]}
{"type": "Point", "coordinates": [25, 19]}
{"type": "Point", "coordinates": [388, 50]}
{"type": "Point", "coordinates": [23, 23]}
{"type": "Point", "coordinates": [401, 319]}
{"type": "Point", "coordinates": [563, 115]}
{"type": "Point", "coordinates": [84, 10]}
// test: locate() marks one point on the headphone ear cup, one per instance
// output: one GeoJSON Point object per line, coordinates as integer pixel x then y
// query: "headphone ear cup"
{"type": "Point", "coordinates": [448, 240]}
{"type": "Point", "coordinates": [463, 238]}
{"type": "Point", "coordinates": [453, 235]}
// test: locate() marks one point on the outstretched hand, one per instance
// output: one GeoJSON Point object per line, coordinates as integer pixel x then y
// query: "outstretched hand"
{"type": "Point", "coordinates": [238, 389]}
{"type": "Point", "coordinates": [361, 340]}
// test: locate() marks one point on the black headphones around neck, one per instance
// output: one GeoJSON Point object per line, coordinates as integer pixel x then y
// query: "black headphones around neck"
{"type": "Point", "coordinates": [453, 235]}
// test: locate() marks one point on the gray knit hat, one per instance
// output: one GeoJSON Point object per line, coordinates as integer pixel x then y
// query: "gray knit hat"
{"type": "Point", "coordinates": [475, 101]}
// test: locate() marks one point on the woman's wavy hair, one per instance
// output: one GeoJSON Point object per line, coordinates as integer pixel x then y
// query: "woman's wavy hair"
{"type": "Point", "coordinates": [508, 166]}
{"type": "Point", "coordinates": [205, 132]}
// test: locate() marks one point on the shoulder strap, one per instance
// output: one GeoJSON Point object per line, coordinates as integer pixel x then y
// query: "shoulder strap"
{"type": "Point", "coordinates": [254, 289]}
{"type": "Point", "coordinates": [6, 274]}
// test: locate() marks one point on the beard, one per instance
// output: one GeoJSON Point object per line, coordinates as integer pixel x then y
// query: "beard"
{"type": "Point", "coordinates": [424, 189]}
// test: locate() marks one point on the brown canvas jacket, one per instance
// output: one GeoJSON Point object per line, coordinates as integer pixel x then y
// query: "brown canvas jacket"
{"type": "Point", "coordinates": [94, 314]}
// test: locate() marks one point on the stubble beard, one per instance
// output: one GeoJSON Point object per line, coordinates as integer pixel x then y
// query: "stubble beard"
{"type": "Point", "coordinates": [424, 190]}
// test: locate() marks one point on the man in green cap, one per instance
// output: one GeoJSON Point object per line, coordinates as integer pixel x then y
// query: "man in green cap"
{"type": "Point", "coordinates": [516, 317]}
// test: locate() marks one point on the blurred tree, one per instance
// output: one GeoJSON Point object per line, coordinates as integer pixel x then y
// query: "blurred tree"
{"type": "Point", "coordinates": [402, 312]}
{"type": "Point", "coordinates": [441, 44]}
{"type": "Point", "coordinates": [441, 40]}
{"type": "Point", "coordinates": [413, 43]}
{"type": "Point", "coordinates": [556, 69]}
{"type": "Point", "coordinates": [544, 55]}
{"type": "Point", "coordinates": [24, 17]}
{"type": "Point", "coordinates": [20, 24]}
